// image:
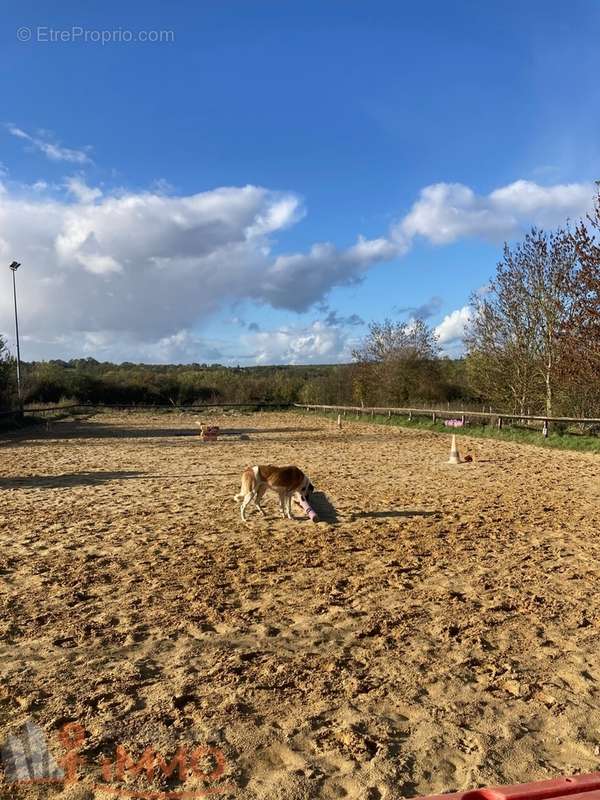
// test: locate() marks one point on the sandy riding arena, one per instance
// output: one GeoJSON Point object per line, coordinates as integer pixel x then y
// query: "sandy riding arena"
{"type": "Point", "coordinates": [437, 630]}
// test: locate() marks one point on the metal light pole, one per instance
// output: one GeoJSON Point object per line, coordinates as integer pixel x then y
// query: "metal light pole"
{"type": "Point", "coordinates": [14, 267]}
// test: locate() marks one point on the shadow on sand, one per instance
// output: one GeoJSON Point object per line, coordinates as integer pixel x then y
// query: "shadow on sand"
{"type": "Point", "coordinates": [98, 478]}
{"type": "Point", "coordinates": [101, 430]}
{"type": "Point", "coordinates": [324, 507]}
{"type": "Point", "coordinates": [403, 513]}
{"type": "Point", "coordinates": [68, 480]}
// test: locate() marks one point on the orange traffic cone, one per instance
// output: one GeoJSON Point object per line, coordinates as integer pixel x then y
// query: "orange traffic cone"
{"type": "Point", "coordinates": [454, 454]}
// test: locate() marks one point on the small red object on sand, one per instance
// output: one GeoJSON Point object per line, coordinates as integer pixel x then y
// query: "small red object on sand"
{"type": "Point", "coordinates": [582, 787]}
{"type": "Point", "coordinates": [309, 511]}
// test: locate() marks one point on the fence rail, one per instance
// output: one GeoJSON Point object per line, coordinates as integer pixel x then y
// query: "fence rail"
{"type": "Point", "coordinates": [133, 407]}
{"type": "Point", "coordinates": [140, 407]}
{"type": "Point", "coordinates": [494, 416]}
{"type": "Point", "coordinates": [434, 413]}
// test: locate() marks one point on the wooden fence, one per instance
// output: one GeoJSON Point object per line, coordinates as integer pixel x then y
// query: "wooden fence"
{"type": "Point", "coordinates": [495, 417]}
{"type": "Point", "coordinates": [16, 413]}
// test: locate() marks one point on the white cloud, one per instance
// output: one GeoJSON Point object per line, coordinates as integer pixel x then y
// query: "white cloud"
{"type": "Point", "coordinates": [452, 328]}
{"type": "Point", "coordinates": [51, 150]}
{"type": "Point", "coordinates": [180, 347]}
{"type": "Point", "coordinates": [81, 191]}
{"type": "Point", "coordinates": [528, 198]}
{"type": "Point", "coordinates": [298, 280]}
{"type": "Point", "coordinates": [146, 267]}
{"type": "Point", "coordinates": [316, 343]}
{"type": "Point", "coordinates": [446, 212]}
{"type": "Point", "coordinates": [142, 270]}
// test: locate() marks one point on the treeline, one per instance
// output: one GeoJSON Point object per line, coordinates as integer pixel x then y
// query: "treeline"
{"type": "Point", "coordinates": [89, 381]}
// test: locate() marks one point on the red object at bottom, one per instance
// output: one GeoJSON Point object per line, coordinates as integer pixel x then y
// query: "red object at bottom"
{"type": "Point", "coordinates": [576, 787]}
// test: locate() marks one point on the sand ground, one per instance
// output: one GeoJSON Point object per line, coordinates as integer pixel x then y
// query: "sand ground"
{"type": "Point", "coordinates": [439, 630]}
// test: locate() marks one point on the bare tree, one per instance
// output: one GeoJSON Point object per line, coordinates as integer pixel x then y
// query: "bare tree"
{"type": "Point", "coordinates": [397, 361]}
{"type": "Point", "coordinates": [499, 346]}
{"type": "Point", "coordinates": [514, 339]}
{"type": "Point", "coordinates": [580, 350]}
{"type": "Point", "coordinates": [397, 340]}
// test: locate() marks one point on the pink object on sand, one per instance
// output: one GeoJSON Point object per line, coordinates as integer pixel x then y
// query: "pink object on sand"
{"type": "Point", "coordinates": [310, 512]}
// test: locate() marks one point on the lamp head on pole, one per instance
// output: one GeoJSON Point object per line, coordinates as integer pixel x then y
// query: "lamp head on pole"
{"type": "Point", "coordinates": [14, 266]}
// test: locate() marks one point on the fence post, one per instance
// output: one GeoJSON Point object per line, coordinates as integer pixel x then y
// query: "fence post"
{"type": "Point", "coordinates": [410, 416]}
{"type": "Point", "coordinates": [433, 416]}
{"type": "Point", "coordinates": [545, 429]}
{"type": "Point", "coordinates": [462, 420]}
{"type": "Point", "coordinates": [499, 423]}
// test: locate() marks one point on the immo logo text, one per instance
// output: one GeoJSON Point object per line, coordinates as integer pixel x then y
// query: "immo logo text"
{"type": "Point", "coordinates": [26, 759]}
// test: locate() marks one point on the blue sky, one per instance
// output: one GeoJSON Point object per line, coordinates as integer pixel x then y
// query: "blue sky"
{"type": "Point", "coordinates": [433, 131]}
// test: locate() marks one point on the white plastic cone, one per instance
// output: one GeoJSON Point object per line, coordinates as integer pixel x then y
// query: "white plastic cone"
{"type": "Point", "coordinates": [454, 454]}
